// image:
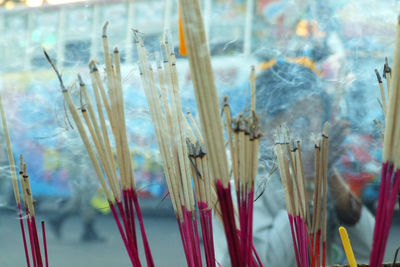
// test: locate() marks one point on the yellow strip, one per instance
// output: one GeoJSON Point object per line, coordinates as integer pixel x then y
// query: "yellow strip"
{"type": "Point", "coordinates": [304, 61]}
{"type": "Point", "coordinates": [347, 247]}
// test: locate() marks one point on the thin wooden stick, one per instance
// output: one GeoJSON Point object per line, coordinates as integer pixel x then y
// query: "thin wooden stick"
{"type": "Point", "coordinates": [10, 153]}
{"type": "Point", "coordinates": [393, 99]}
{"type": "Point", "coordinates": [205, 91]}
{"type": "Point", "coordinates": [252, 80]}
{"type": "Point", "coordinates": [45, 244]}
{"type": "Point", "coordinates": [382, 91]}
{"type": "Point", "coordinates": [228, 122]}
{"type": "Point", "coordinates": [81, 129]}
{"type": "Point", "coordinates": [103, 151]}
{"type": "Point", "coordinates": [325, 185]}
{"type": "Point", "coordinates": [122, 123]}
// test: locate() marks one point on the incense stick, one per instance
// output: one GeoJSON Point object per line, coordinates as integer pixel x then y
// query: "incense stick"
{"type": "Point", "coordinates": [382, 91]}
{"type": "Point", "coordinates": [306, 233]}
{"type": "Point", "coordinates": [390, 176]}
{"type": "Point", "coordinates": [30, 219]}
{"type": "Point", "coordinates": [166, 114]}
{"type": "Point", "coordinates": [45, 244]}
{"type": "Point", "coordinates": [14, 178]}
{"type": "Point", "coordinates": [123, 190]}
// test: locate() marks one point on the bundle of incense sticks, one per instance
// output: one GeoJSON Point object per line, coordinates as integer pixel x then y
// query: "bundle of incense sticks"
{"type": "Point", "coordinates": [37, 259]}
{"type": "Point", "coordinates": [390, 176]}
{"type": "Point", "coordinates": [172, 131]}
{"type": "Point", "coordinates": [205, 194]}
{"type": "Point", "coordinates": [30, 219]}
{"type": "Point", "coordinates": [244, 140]}
{"type": "Point", "coordinates": [211, 122]}
{"type": "Point", "coordinates": [306, 227]}
{"type": "Point", "coordinates": [94, 133]}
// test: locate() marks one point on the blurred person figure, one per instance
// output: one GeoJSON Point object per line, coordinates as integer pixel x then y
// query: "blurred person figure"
{"type": "Point", "coordinates": [85, 199]}
{"type": "Point", "coordinates": [292, 93]}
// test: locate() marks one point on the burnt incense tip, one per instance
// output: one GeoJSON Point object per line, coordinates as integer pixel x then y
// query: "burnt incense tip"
{"type": "Point", "coordinates": [105, 29]}
{"type": "Point", "coordinates": [136, 35]}
{"type": "Point", "coordinates": [164, 53]}
{"type": "Point", "coordinates": [386, 68]}
{"type": "Point", "coordinates": [158, 59]}
{"type": "Point", "coordinates": [136, 39]}
{"type": "Point", "coordinates": [378, 76]}
{"type": "Point", "coordinates": [166, 36]}
{"type": "Point", "coordinates": [140, 69]}
{"type": "Point", "coordinates": [81, 83]}
{"type": "Point", "coordinates": [116, 49]}
{"type": "Point", "coordinates": [45, 54]}
{"type": "Point", "coordinates": [92, 65]}
{"type": "Point", "coordinates": [225, 101]}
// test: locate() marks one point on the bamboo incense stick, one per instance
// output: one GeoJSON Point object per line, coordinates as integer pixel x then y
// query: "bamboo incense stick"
{"type": "Point", "coordinates": [45, 244]}
{"type": "Point", "coordinates": [390, 176]}
{"type": "Point", "coordinates": [387, 74]}
{"type": "Point", "coordinates": [205, 91]}
{"type": "Point", "coordinates": [252, 80]}
{"type": "Point", "coordinates": [126, 229]}
{"type": "Point", "coordinates": [30, 218]}
{"type": "Point", "coordinates": [306, 231]}
{"type": "Point", "coordinates": [382, 91]}
{"type": "Point", "coordinates": [14, 178]}
{"type": "Point", "coordinates": [9, 153]}
{"type": "Point", "coordinates": [324, 166]}
{"type": "Point", "coordinates": [211, 123]}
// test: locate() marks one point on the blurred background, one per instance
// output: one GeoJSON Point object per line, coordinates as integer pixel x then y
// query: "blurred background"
{"type": "Point", "coordinates": [346, 40]}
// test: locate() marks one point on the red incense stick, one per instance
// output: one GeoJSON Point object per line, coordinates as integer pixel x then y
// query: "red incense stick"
{"type": "Point", "coordinates": [23, 235]}
{"type": "Point", "coordinates": [45, 244]}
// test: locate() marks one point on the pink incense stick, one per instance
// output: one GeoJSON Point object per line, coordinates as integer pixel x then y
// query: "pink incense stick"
{"type": "Point", "coordinates": [387, 170]}
{"type": "Point", "coordinates": [206, 227]}
{"type": "Point", "coordinates": [186, 235]}
{"type": "Point", "coordinates": [210, 237]}
{"type": "Point", "coordinates": [36, 242]}
{"type": "Point", "coordinates": [225, 200]}
{"type": "Point", "coordinates": [318, 250]}
{"type": "Point", "coordinates": [21, 222]}
{"type": "Point", "coordinates": [205, 235]}
{"type": "Point", "coordinates": [196, 238]}
{"type": "Point", "coordinates": [31, 240]}
{"type": "Point", "coordinates": [132, 218]}
{"type": "Point", "coordinates": [45, 244]}
{"type": "Point", "coordinates": [250, 202]}
{"type": "Point", "coordinates": [129, 238]}
{"type": "Point", "coordinates": [149, 257]}
{"type": "Point", "coordinates": [257, 260]}
{"type": "Point", "coordinates": [183, 241]}
{"type": "Point", "coordinates": [134, 260]}
{"type": "Point", "coordinates": [305, 242]}
{"type": "Point", "coordinates": [389, 215]}
{"type": "Point", "coordinates": [296, 252]}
